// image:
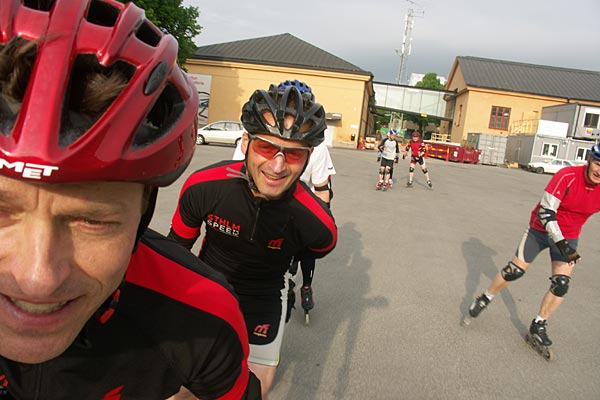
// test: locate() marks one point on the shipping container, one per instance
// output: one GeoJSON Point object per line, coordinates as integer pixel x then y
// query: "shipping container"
{"type": "Point", "coordinates": [493, 147]}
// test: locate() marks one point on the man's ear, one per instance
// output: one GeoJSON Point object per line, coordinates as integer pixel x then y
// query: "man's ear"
{"type": "Point", "coordinates": [244, 144]}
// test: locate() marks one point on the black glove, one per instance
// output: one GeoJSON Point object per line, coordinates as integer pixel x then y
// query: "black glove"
{"type": "Point", "coordinates": [378, 159]}
{"type": "Point", "coordinates": [396, 160]}
{"type": "Point", "coordinates": [403, 156]}
{"type": "Point", "coordinates": [567, 251]}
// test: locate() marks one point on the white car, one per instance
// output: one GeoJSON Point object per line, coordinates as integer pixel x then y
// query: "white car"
{"type": "Point", "coordinates": [229, 132]}
{"type": "Point", "coordinates": [550, 166]}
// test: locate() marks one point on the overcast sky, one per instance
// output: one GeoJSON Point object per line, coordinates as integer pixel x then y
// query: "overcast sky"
{"type": "Point", "coordinates": [367, 32]}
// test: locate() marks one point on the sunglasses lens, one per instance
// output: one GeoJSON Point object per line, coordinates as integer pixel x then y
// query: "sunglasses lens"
{"type": "Point", "coordinates": [295, 155]}
{"type": "Point", "coordinates": [268, 150]}
{"type": "Point", "coordinates": [264, 149]}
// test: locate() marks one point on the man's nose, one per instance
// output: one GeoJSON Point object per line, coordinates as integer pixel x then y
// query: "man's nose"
{"type": "Point", "coordinates": [41, 266]}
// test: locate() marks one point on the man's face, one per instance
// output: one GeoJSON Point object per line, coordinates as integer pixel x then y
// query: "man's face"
{"type": "Point", "coordinates": [64, 249]}
{"type": "Point", "coordinates": [415, 138]}
{"type": "Point", "coordinates": [593, 171]}
{"type": "Point", "coordinates": [273, 174]}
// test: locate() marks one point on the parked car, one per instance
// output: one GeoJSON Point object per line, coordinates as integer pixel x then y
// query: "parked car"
{"type": "Point", "coordinates": [229, 132]}
{"type": "Point", "coordinates": [550, 166]}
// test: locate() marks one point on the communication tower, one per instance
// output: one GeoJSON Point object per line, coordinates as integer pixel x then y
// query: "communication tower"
{"type": "Point", "coordinates": [404, 52]}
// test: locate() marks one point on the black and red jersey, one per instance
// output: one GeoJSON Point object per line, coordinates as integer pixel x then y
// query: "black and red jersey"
{"type": "Point", "coordinates": [575, 201]}
{"type": "Point", "coordinates": [177, 323]}
{"type": "Point", "coordinates": [249, 239]}
{"type": "Point", "coordinates": [417, 148]}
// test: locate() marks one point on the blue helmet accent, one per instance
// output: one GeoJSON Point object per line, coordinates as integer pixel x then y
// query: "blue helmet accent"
{"type": "Point", "coordinates": [595, 151]}
{"type": "Point", "coordinates": [301, 86]}
{"type": "Point", "coordinates": [393, 132]}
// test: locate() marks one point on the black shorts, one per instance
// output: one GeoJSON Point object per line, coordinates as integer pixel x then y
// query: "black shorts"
{"type": "Point", "coordinates": [534, 242]}
{"type": "Point", "coordinates": [387, 163]}
{"type": "Point", "coordinates": [265, 323]}
{"type": "Point", "coordinates": [417, 160]}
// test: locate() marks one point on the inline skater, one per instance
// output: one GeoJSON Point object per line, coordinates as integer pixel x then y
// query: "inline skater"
{"type": "Point", "coordinates": [388, 154]}
{"type": "Point", "coordinates": [569, 199]}
{"type": "Point", "coordinates": [93, 305]}
{"type": "Point", "coordinates": [317, 176]}
{"type": "Point", "coordinates": [259, 215]}
{"type": "Point", "coordinates": [417, 150]}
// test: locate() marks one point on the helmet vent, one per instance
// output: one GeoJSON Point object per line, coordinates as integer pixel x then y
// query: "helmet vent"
{"type": "Point", "coordinates": [41, 5]}
{"type": "Point", "coordinates": [92, 89]}
{"type": "Point", "coordinates": [101, 13]}
{"type": "Point", "coordinates": [162, 117]}
{"type": "Point", "coordinates": [148, 35]}
{"type": "Point", "coordinates": [16, 63]}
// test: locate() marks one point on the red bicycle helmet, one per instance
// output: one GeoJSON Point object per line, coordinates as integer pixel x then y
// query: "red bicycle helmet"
{"type": "Point", "coordinates": [416, 134]}
{"type": "Point", "coordinates": [144, 133]}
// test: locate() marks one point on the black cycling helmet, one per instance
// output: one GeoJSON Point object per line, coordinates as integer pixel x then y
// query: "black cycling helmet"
{"type": "Point", "coordinates": [309, 117]}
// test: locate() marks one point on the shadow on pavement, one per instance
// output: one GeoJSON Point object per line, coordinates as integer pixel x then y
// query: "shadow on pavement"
{"type": "Point", "coordinates": [480, 263]}
{"type": "Point", "coordinates": [340, 303]}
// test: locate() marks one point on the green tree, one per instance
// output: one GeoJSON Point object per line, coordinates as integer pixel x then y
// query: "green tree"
{"type": "Point", "coordinates": [429, 81]}
{"type": "Point", "coordinates": [172, 17]}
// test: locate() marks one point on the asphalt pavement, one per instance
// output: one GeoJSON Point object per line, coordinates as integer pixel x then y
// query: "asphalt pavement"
{"type": "Point", "coordinates": [409, 261]}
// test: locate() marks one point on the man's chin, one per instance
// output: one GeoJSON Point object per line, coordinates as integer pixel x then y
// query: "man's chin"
{"type": "Point", "coordinates": [34, 350]}
{"type": "Point", "coordinates": [272, 192]}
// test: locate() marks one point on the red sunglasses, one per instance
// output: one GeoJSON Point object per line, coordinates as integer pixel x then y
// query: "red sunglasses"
{"type": "Point", "coordinates": [267, 149]}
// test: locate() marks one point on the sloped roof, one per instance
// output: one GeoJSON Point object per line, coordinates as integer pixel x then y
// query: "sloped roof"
{"type": "Point", "coordinates": [530, 78]}
{"type": "Point", "coordinates": [282, 50]}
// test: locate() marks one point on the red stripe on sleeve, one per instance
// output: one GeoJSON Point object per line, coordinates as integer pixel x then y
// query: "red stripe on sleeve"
{"type": "Point", "coordinates": [181, 229]}
{"type": "Point", "coordinates": [211, 174]}
{"type": "Point", "coordinates": [305, 197]}
{"type": "Point", "coordinates": [191, 288]}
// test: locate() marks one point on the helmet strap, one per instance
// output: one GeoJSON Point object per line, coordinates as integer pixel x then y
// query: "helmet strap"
{"type": "Point", "coordinates": [146, 216]}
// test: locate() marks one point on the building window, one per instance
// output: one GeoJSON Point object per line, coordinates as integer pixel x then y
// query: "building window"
{"type": "Point", "coordinates": [591, 120]}
{"type": "Point", "coordinates": [582, 153]}
{"type": "Point", "coordinates": [499, 118]}
{"type": "Point", "coordinates": [549, 149]}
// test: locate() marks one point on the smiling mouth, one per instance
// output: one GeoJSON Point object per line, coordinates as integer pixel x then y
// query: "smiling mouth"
{"type": "Point", "coordinates": [37, 308]}
{"type": "Point", "coordinates": [273, 177]}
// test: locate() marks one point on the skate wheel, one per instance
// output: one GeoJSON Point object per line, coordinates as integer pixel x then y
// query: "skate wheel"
{"type": "Point", "coordinates": [306, 318]}
{"type": "Point", "coordinates": [549, 355]}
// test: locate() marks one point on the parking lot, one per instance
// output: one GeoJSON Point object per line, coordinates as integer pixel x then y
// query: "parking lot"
{"type": "Point", "coordinates": [390, 297]}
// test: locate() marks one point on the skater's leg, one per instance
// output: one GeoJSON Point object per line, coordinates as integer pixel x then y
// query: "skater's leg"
{"type": "Point", "coordinates": [507, 274]}
{"type": "Point", "coordinates": [555, 296]}
{"type": "Point", "coordinates": [386, 176]}
{"type": "Point", "coordinates": [265, 374]}
{"type": "Point", "coordinates": [308, 270]}
{"type": "Point", "coordinates": [411, 172]}
{"type": "Point", "coordinates": [381, 173]}
{"type": "Point", "coordinates": [512, 271]}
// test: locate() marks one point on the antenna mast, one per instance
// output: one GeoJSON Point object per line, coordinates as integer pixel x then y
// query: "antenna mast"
{"type": "Point", "coordinates": [404, 52]}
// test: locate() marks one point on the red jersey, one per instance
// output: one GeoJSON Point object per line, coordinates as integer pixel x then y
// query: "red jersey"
{"type": "Point", "coordinates": [577, 200]}
{"type": "Point", "coordinates": [417, 147]}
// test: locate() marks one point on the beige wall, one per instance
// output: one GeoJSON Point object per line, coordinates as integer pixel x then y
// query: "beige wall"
{"type": "Point", "coordinates": [233, 83]}
{"type": "Point", "coordinates": [474, 106]}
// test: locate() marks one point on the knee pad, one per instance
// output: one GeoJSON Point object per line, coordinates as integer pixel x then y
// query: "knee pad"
{"type": "Point", "coordinates": [387, 169]}
{"type": "Point", "coordinates": [411, 169]}
{"type": "Point", "coordinates": [512, 272]}
{"type": "Point", "coordinates": [381, 170]}
{"type": "Point", "coordinates": [560, 285]}
{"type": "Point", "coordinates": [425, 170]}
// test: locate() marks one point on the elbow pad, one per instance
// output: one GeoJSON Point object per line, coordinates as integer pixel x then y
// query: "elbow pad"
{"type": "Point", "coordinates": [546, 215]}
